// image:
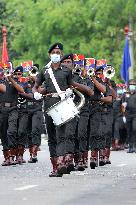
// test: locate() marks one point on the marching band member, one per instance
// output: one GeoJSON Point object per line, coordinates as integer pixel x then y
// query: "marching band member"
{"type": "Point", "coordinates": [8, 119]}
{"type": "Point", "coordinates": [97, 131]}
{"type": "Point", "coordinates": [108, 117]}
{"type": "Point", "coordinates": [22, 116]}
{"type": "Point", "coordinates": [61, 141]}
{"type": "Point", "coordinates": [81, 152]}
{"type": "Point", "coordinates": [29, 121]}
{"type": "Point", "coordinates": [129, 106]}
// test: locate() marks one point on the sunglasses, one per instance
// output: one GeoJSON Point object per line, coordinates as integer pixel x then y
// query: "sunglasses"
{"type": "Point", "coordinates": [18, 74]}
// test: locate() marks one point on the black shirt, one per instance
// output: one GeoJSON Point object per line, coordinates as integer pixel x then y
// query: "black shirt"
{"type": "Point", "coordinates": [131, 105]}
{"type": "Point", "coordinates": [63, 77]}
{"type": "Point", "coordinates": [11, 94]}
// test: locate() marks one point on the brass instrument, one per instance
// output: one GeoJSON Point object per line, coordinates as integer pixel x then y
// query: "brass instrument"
{"type": "Point", "coordinates": [7, 73]}
{"type": "Point", "coordinates": [109, 72]}
{"type": "Point", "coordinates": [34, 71]}
{"type": "Point", "coordinates": [90, 72]}
{"type": "Point", "coordinates": [77, 70]}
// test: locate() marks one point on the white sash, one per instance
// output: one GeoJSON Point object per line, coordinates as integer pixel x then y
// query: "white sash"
{"type": "Point", "coordinates": [60, 93]}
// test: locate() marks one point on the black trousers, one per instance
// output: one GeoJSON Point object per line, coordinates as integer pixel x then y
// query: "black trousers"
{"type": "Point", "coordinates": [51, 131]}
{"type": "Point", "coordinates": [97, 133]}
{"type": "Point", "coordinates": [107, 122]}
{"type": "Point", "coordinates": [81, 131]}
{"type": "Point", "coordinates": [34, 127]}
{"type": "Point", "coordinates": [118, 127]}
{"type": "Point", "coordinates": [131, 128]}
{"type": "Point", "coordinates": [22, 126]}
{"type": "Point", "coordinates": [61, 139]}
{"type": "Point", "coordinates": [8, 127]}
{"type": "Point", "coordinates": [65, 136]}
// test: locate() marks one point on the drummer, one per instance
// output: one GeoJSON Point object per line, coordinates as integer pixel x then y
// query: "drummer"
{"type": "Point", "coordinates": [60, 139]}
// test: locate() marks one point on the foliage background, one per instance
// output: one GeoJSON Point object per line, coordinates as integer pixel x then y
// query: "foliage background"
{"type": "Point", "coordinates": [92, 27]}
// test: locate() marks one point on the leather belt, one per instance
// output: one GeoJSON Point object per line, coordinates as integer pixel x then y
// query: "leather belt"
{"type": "Point", "coordinates": [7, 104]}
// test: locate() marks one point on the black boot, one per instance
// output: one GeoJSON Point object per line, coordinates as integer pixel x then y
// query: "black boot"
{"type": "Point", "coordinates": [6, 158]}
{"type": "Point", "coordinates": [61, 167]}
{"type": "Point", "coordinates": [93, 159]}
{"type": "Point", "coordinates": [12, 154]}
{"type": "Point", "coordinates": [81, 162]}
{"type": "Point", "coordinates": [33, 154]}
{"type": "Point", "coordinates": [20, 153]}
{"type": "Point", "coordinates": [69, 163]}
{"type": "Point", "coordinates": [85, 159]}
{"type": "Point", "coordinates": [102, 156]}
{"type": "Point", "coordinates": [54, 172]}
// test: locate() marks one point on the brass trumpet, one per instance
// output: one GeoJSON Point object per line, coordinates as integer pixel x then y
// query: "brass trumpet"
{"type": "Point", "coordinates": [7, 73]}
{"type": "Point", "coordinates": [34, 71]}
{"type": "Point", "coordinates": [77, 70]}
{"type": "Point", "coordinates": [90, 72]}
{"type": "Point", "coordinates": [109, 72]}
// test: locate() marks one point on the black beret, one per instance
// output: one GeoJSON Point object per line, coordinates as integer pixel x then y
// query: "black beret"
{"type": "Point", "coordinates": [18, 69]}
{"type": "Point", "coordinates": [55, 45]}
{"type": "Point", "coordinates": [67, 56]}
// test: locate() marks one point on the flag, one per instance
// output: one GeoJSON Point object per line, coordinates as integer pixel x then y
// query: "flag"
{"type": "Point", "coordinates": [101, 62]}
{"type": "Point", "coordinates": [89, 63]}
{"type": "Point", "coordinates": [126, 62]}
{"type": "Point", "coordinates": [5, 58]}
{"type": "Point", "coordinates": [27, 65]}
{"type": "Point", "coordinates": [79, 59]}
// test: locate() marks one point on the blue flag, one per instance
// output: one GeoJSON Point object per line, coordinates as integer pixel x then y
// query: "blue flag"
{"type": "Point", "coordinates": [126, 63]}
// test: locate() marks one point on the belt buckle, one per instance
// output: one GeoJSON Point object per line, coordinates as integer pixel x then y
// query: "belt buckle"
{"type": "Point", "coordinates": [105, 109]}
{"type": "Point", "coordinates": [7, 104]}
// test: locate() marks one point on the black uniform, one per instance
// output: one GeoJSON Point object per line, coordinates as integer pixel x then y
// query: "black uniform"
{"type": "Point", "coordinates": [97, 124]}
{"type": "Point", "coordinates": [8, 116]}
{"type": "Point", "coordinates": [119, 126]}
{"type": "Point", "coordinates": [30, 119]}
{"type": "Point", "coordinates": [60, 139]}
{"type": "Point", "coordinates": [131, 121]}
{"type": "Point", "coordinates": [22, 119]}
{"type": "Point", "coordinates": [81, 132]}
{"type": "Point", "coordinates": [108, 119]}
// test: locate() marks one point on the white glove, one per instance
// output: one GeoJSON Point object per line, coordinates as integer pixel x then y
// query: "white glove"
{"type": "Point", "coordinates": [62, 96]}
{"type": "Point", "coordinates": [69, 92]}
{"type": "Point", "coordinates": [37, 96]}
{"type": "Point", "coordinates": [124, 104]}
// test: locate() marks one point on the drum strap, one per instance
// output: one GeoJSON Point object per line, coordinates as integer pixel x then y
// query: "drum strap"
{"type": "Point", "coordinates": [60, 93]}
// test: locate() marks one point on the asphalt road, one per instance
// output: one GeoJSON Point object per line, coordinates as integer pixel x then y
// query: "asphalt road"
{"type": "Point", "coordinates": [29, 184]}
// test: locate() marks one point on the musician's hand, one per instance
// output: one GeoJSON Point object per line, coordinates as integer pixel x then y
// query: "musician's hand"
{"type": "Point", "coordinates": [69, 92]}
{"type": "Point", "coordinates": [37, 96]}
{"type": "Point", "coordinates": [9, 76]}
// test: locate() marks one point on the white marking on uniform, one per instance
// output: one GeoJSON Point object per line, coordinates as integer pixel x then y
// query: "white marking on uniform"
{"type": "Point", "coordinates": [25, 187]}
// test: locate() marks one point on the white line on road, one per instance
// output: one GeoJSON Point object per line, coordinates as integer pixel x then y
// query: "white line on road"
{"type": "Point", "coordinates": [25, 187]}
{"type": "Point", "coordinates": [121, 165]}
